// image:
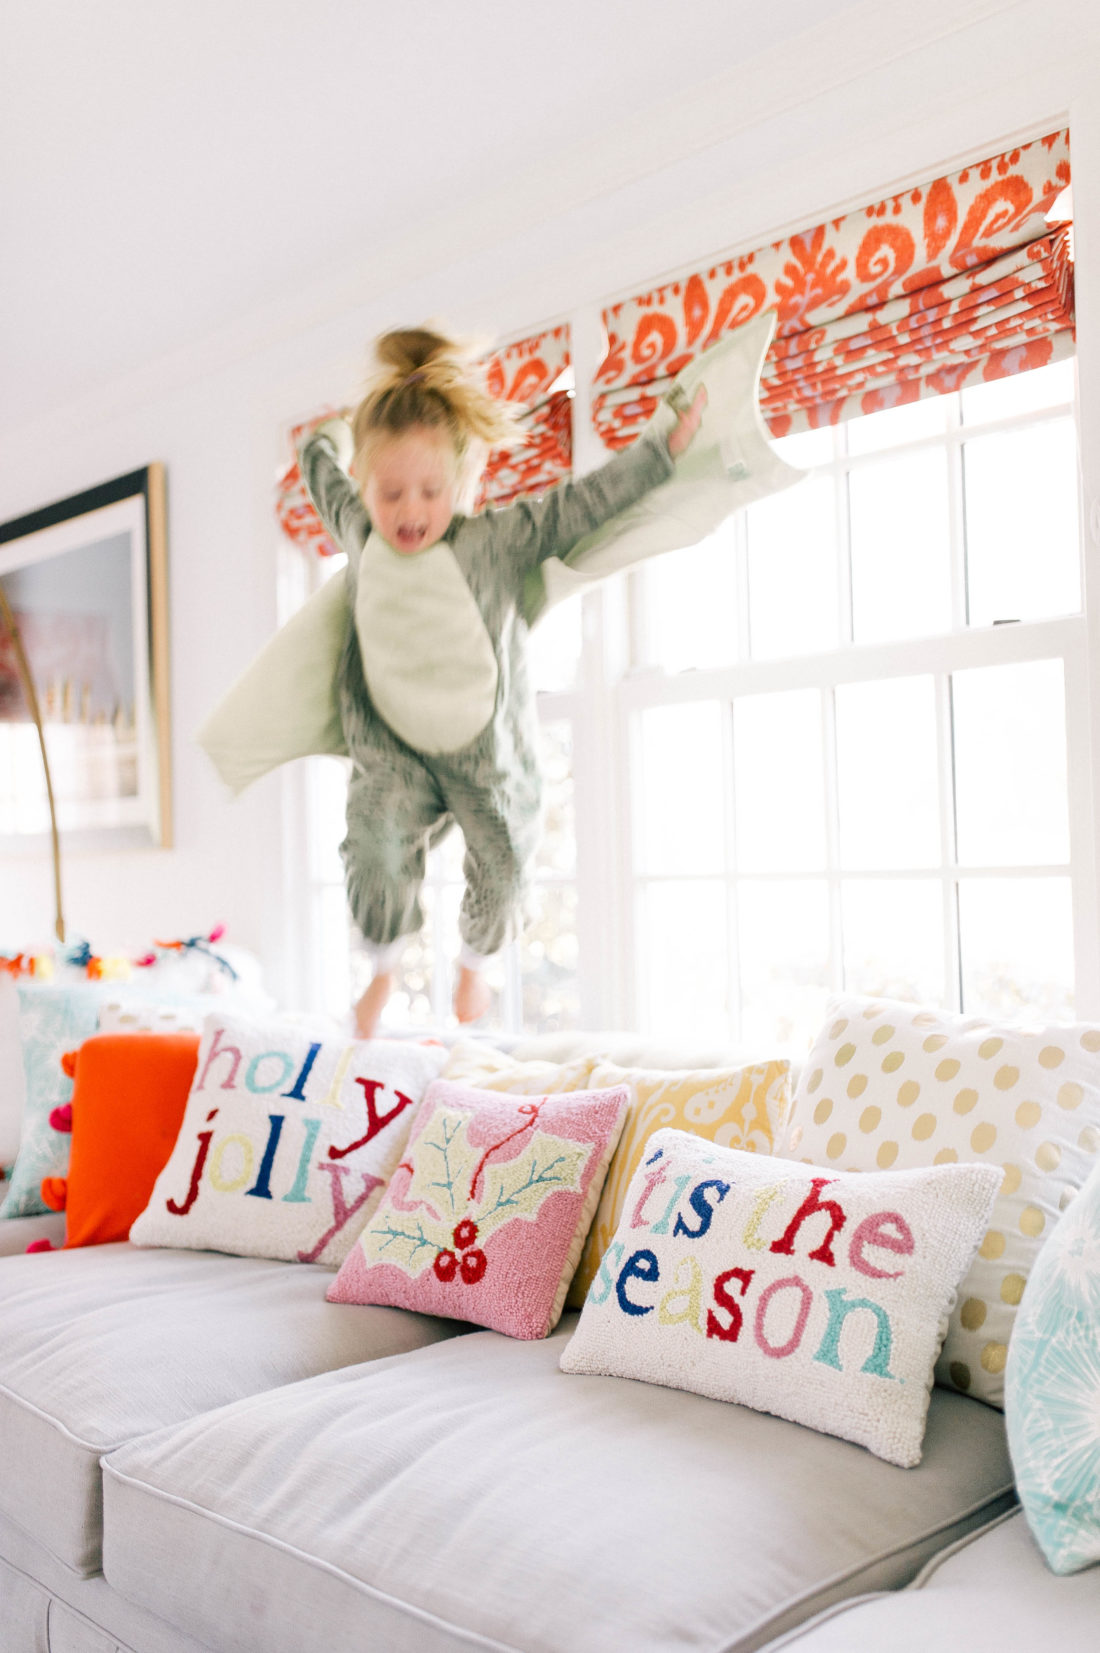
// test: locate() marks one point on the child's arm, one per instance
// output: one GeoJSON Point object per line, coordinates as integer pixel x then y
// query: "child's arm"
{"type": "Point", "coordinates": [551, 526]}
{"type": "Point", "coordinates": [335, 497]}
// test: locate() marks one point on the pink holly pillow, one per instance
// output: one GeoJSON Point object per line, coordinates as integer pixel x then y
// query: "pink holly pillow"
{"type": "Point", "coordinates": [485, 1216]}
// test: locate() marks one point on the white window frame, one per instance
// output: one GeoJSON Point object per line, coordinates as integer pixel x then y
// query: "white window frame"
{"type": "Point", "coordinates": [610, 691]}
{"type": "Point", "coordinates": [1065, 639]}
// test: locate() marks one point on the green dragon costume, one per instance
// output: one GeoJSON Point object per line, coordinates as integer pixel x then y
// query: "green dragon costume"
{"type": "Point", "coordinates": [414, 666]}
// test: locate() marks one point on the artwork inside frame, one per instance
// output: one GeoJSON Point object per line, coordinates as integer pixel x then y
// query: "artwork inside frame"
{"type": "Point", "coordinates": [86, 579]}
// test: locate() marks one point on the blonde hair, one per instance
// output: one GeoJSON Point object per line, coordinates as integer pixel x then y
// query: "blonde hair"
{"type": "Point", "coordinates": [425, 378]}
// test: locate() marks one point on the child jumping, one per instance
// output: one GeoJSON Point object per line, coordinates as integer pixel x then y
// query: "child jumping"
{"type": "Point", "coordinates": [437, 712]}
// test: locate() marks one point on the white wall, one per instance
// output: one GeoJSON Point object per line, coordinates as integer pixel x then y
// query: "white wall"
{"type": "Point", "coordinates": [753, 156]}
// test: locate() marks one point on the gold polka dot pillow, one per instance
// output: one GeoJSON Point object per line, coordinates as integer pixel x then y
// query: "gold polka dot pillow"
{"type": "Point", "coordinates": [891, 1086]}
{"type": "Point", "coordinates": [736, 1107]}
{"type": "Point", "coordinates": [820, 1297]}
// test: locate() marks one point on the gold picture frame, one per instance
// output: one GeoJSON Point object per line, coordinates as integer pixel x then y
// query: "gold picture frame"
{"type": "Point", "coordinates": [86, 580]}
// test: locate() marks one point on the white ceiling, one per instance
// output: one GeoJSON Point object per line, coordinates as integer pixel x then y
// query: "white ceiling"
{"type": "Point", "coordinates": [167, 167]}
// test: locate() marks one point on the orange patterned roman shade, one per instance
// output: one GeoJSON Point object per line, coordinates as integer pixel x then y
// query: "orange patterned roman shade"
{"type": "Point", "coordinates": [958, 280]}
{"type": "Point", "coordinates": [533, 375]}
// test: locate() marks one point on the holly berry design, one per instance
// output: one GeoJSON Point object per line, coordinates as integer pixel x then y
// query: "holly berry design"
{"type": "Point", "coordinates": [472, 1263]}
{"type": "Point", "coordinates": [451, 1195]}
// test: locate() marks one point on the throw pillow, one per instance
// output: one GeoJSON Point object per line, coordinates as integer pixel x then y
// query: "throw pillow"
{"type": "Point", "coordinates": [129, 1095]}
{"type": "Point", "coordinates": [1052, 1389]}
{"type": "Point", "coordinates": [52, 1020]}
{"type": "Point", "coordinates": [287, 1142]}
{"type": "Point", "coordinates": [485, 1217]}
{"type": "Point", "coordinates": [736, 1107]}
{"type": "Point", "coordinates": [821, 1299]}
{"type": "Point", "coordinates": [12, 1082]}
{"type": "Point", "coordinates": [893, 1085]}
{"type": "Point", "coordinates": [486, 1068]}
{"type": "Point", "coordinates": [135, 1015]}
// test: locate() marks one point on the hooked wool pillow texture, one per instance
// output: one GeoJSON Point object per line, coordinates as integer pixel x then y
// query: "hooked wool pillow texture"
{"type": "Point", "coordinates": [287, 1142]}
{"type": "Point", "coordinates": [1052, 1390]}
{"type": "Point", "coordinates": [891, 1085]}
{"type": "Point", "coordinates": [742, 1107]}
{"type": "Point", "coordinates": [52, 1021]}
{"type": "Point", "coordinates": [485, 1216]}
{"type": "Point", "coordinates": [819, 1298]}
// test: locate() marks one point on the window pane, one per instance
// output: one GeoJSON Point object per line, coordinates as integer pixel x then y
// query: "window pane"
{"type": "Point", "coordinates": [691, 604]}
{"type": "Point", "coordinates": [907, 423]}
{"type": "Point", "coordinates": [901, 581]}
{"type": "Point", "coordinates": [783, 948]}
{"type": "Point", "coordinates": [792, 571]}
{"type": "Point", "coordinates": [557, 852]}
{"type": "Point", "coordinates": [1016, 936]}
{"type": "Point", "coordinates": [425, 980]}
{"type": "Point", "coordinates": [445, 861]}
{"type": "Point", "coordinates": [554, 647]}
{"type": "Point", "coordinates": [893, 938]}
{"type": "Point", "coordinates": [779, 784]}
{"type": "Point", "coordinates": [548, 962]}
{"type": "Point", "coordinates": [1042, 387]}
{"type": "Point", "coordinates": [335, 942]}
{"type": "Point", "coordinates": [683, 960]}
{"type": "Point", "coordinates": [888, 774]}
{"type": "Point", "coordinates": [1022, 552]}
{"type": "Point", "coordinates": [1010, 765]}
{"type": "Point", "coordinates": [807, 447]}
{"type": "Point", "coordinates": [412, 1003]}
{"type": "Point", "coordinates": [679, 794]}
{"type": "Point", "coordinates": [326, 803]}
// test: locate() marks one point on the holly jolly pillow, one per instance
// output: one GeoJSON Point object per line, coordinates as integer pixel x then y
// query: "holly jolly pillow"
{"type": "Point", "coordinates": [287, 1142]}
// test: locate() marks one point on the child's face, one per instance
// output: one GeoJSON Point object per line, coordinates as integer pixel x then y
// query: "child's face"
{"type": "Point", "coordinates": [410, 488]}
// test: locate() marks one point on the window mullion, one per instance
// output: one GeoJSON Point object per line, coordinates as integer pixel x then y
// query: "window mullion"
{"type": "Point", "coordinates": [945, 758]}
{"type": "Point", "coordinates": [832, 839]}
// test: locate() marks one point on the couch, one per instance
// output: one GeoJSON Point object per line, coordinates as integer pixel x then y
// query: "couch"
{"type": "Point", "coordinates": [201, 1454]}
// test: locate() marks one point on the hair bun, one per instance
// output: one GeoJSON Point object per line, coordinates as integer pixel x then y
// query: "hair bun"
{"type": "Point", "coordinates": [409, 349]}
{"type": "Point", "coordinates": [423, 377]}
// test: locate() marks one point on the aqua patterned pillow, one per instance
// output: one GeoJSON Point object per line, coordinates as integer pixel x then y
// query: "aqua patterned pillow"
{"type": "Point", "coordinates": [1052, 1389]}
{"type": "Point", "coordinates": [52, 1020]}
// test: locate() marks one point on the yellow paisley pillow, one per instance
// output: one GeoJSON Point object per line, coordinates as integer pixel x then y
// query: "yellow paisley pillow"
{"type": "Point", "coordinates": [738, 1107]}
{"type": "Point", "coordinates": [489, 1069]}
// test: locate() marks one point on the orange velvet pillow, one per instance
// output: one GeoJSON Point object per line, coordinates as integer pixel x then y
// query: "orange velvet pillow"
{"type": "Point", "coordinates": [129, 1095]}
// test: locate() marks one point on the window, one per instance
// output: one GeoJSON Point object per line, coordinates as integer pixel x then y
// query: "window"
{"type": "Point", "coordinates": [841, 744]}
{"type": "Point", "coordinates": [851, 763]}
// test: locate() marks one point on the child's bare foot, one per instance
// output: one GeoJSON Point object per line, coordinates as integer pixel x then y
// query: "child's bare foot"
{"type": "Point", "coordinates": [473, 995]}
{"type": "Point", "coordinates": [373, 1002]}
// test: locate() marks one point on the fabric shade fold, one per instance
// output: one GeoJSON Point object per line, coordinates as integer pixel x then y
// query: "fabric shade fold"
{"type": "Point", "coordinates": [966, 279]}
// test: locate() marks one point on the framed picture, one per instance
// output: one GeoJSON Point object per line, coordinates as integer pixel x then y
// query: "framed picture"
{"type": "Point", "coordinates": [86, 580]}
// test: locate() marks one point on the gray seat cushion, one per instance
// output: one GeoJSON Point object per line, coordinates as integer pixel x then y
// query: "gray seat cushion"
{"type": "Point", "coordinates": [990, 1593]}
{"type": "Point", "coordinates": [106, 1343]}
{"type": "Point", "coordinates": [472, 1494]}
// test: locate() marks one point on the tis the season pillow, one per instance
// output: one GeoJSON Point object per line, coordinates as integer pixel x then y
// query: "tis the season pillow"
{"type": "Point", "coordinates": [287, 1142]}
{"type": "Point", "coordinates": [822, 1298]}
{"type": "Point", "coordinates": [486, 1214]}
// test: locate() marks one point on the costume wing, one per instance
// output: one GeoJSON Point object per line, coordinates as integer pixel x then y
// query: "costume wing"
{"type": "Point", "coordinates": [730, 464]}
{"type": "Point", "coordinates": [283, 705]}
